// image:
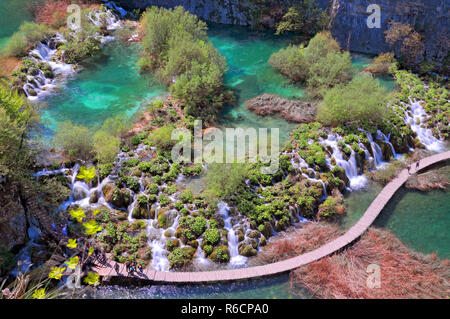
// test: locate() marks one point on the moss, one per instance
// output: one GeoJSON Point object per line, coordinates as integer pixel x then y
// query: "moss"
{"type": "Point", "coordinates": [180, 257]}
{"type": "Point", "coordinates": [220, 254]}
{"type": "Point", "coordinates": [212, 236]}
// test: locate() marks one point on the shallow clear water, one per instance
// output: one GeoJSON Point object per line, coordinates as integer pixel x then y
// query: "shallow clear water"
{"type": "Point", "coordinates": [12, 14]}
{"type": "Point", "coordinates": [109, 85]}
{"type": "Point", "coordinates": [420, 219]}
{"type": "Point", "coordinates": [269, 288]}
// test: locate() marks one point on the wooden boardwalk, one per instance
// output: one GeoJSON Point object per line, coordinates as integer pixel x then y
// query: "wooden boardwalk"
{"type": "Point", "coordinates": [375, 208]}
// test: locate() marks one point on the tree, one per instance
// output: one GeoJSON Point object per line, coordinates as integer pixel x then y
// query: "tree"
{"type": "Point", "coordinates": [362, 100]}
{"type": "Point", "coordinates": [175, 45]}
{"type": "Point", "coordinates": [291, 63]}
{"type": "Point", "coordinates": [405, 40]}
{"type": "Point", "coordinates": [321, 64]}
{"type": "Point", "coordinates": [17, 118]}
{"type": "Point", "coordinates": [384, 63]}
{"type": "Point", "coordinates": [76, 141]}
{"type": "Point", "coordinates": [306, 18]}
{"type": "Point", "coordinates": [106, 147]}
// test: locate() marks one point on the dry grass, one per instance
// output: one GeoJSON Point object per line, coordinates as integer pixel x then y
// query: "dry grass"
{"type": "Point", "coordinates": [404, 273]}
{"type": "Point", "coordinates": [53, 13]}
{"type": "Point", "coordinates": [7, 65]}
{"type": "Point", "coordinates": [311, 236]}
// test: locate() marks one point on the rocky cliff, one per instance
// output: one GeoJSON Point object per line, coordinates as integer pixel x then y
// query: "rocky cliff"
{"type": "Point", "coordinates": [430, 18]}
{"type": "Point", "coordinates": [349, 18]}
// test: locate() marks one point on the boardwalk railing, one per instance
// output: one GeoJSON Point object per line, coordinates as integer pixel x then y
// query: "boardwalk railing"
{"type": "Point", "coordinates": [375, 208]}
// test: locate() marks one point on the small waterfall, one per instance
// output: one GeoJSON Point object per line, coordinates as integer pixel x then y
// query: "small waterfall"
{"type": "Point", "coordinates": [381, 136]}
{"type": "Point", "coordinates": [350, 165]}
{"type": "Point", "coordinates": [233, 242]}
{"type": "Point", "coordinates": [415, 120]}
{"type": "Point", "coordinates": [376, 149]}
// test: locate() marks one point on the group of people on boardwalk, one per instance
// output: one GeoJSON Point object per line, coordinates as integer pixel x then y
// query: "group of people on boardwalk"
{"type": "Point", "coordinates": [409, 167]}
{"type": "Point", "coordinates": [133, 266]}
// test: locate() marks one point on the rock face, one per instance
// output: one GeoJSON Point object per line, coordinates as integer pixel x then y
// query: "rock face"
{"type": "Point", "coordinates": [13, 226]}
{"type": "Point", "coordinates": [292, 110]}
{"type": "Point", "coordinates": [430, 18]}
{"type": "Point", "coordinates": [349, 19]}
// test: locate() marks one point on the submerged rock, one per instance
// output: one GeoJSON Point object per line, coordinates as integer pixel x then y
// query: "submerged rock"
{"type": "Point", "coordinates": [291, 110]}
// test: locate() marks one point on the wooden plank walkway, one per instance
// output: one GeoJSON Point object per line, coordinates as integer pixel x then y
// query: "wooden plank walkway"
{"type": "Point", "coordinates": [375, 208]}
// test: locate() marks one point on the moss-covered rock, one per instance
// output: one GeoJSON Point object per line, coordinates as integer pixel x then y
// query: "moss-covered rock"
{"type": "Point", "coordinates": [180, 257]}
{"type": "Point", "coordinates": [247, 250]}
{"type": "Point", "coordinates": [220, 254]}
{"type": "Point", "coordinates": [120, 198]}
{"type": "Point", "coordinates": [166, 218]}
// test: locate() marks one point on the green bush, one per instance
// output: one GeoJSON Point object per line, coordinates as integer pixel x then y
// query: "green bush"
{"type": "Point", "coordinates": [321, 64]}
{"type": "Point", "coordinates": [105, 147]}
{"type": "Point", "coordinates": [76, 141]}
{"type": "Point", "coordinates": [176, 46]}
{"type": "Point", "coordinates": [27, 37]}
{"type": "Point", "coordinates": [363, 99]}
{"type": "Point", "coordinates": [212, 236]}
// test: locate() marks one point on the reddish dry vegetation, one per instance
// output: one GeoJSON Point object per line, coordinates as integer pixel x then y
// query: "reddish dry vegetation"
{"type": "Point", "coordinates": [7, 65]}
{"type": "Point", "coordinates": [53, 13]}
{"type": "Point", "coordinates": [310, 237]}
{"type": "Point", "coordinates": [404, 273]}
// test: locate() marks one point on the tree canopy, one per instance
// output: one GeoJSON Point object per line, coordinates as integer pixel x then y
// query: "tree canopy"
{"type": "Point", "coordinates": [361, 100]}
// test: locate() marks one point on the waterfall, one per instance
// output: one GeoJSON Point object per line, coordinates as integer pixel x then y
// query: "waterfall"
{"type": "Point", "coordinates": [381, 136]}
{"type": "Point", "coordinates": [425, 135]}
{"type": "Point", "coordinates": [350, 165]}
{"type": "Point", "coordinates": [376, 149]}
{"type": "Point", "coordinates": [235, 258]}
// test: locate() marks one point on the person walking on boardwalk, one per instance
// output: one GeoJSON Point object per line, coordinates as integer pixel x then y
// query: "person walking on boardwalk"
{"type": "Point", "coordinates": [409, 169]}
{"type": "Point", "coordinates": [417, 164]}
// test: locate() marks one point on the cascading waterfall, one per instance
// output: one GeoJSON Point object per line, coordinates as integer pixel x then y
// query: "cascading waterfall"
{"type": "Point", "coordinates": [235, 259]}
{"type": "Point", "coordinates": [39, 85]}
{"type": "Point", "coordinates": [425, 135]}
{"type": "Point", "coordinates": [382, 136]}
{"type": "Point", "coordinates": [376, 149]}
{"type": "Point", "coordinates": [350, 165]}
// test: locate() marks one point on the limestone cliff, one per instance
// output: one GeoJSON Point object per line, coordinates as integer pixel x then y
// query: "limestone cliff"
{"type": "Point", "coordinates": [349, 26]}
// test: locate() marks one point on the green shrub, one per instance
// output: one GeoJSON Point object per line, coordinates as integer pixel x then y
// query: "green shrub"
{"type": "Point", "coordinates": [363, 99]}
{"type": "Point", "coordinates": [76, 141]}
{"type": "Point", "coordinates": [27, 37]}
{"type": "Point", "coordinates": [105, 147]}
{"type": "Point", "coordinates": [212, 236]}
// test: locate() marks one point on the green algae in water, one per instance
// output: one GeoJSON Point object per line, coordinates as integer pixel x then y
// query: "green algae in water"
{"type": "Point", "coordinates": [109, 85]}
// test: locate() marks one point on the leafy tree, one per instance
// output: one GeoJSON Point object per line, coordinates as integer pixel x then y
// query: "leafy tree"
{"type": "Point", "coordinates": [175, 45]}
{"type": "Point", "coordinates": [76, 141]}
{"type": "Point", "coordinates": [162, 138]}
{"type": "Point", "coordinates": [106, 147]}
{"type": "Point", "coordinates": [305, 18]}
{"type": "Point", "coordinates": [361, 100]}
{"type": "Point", "coordinates": [405, 41]}
{"type": "Point", "coordinates": [17, 118]}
